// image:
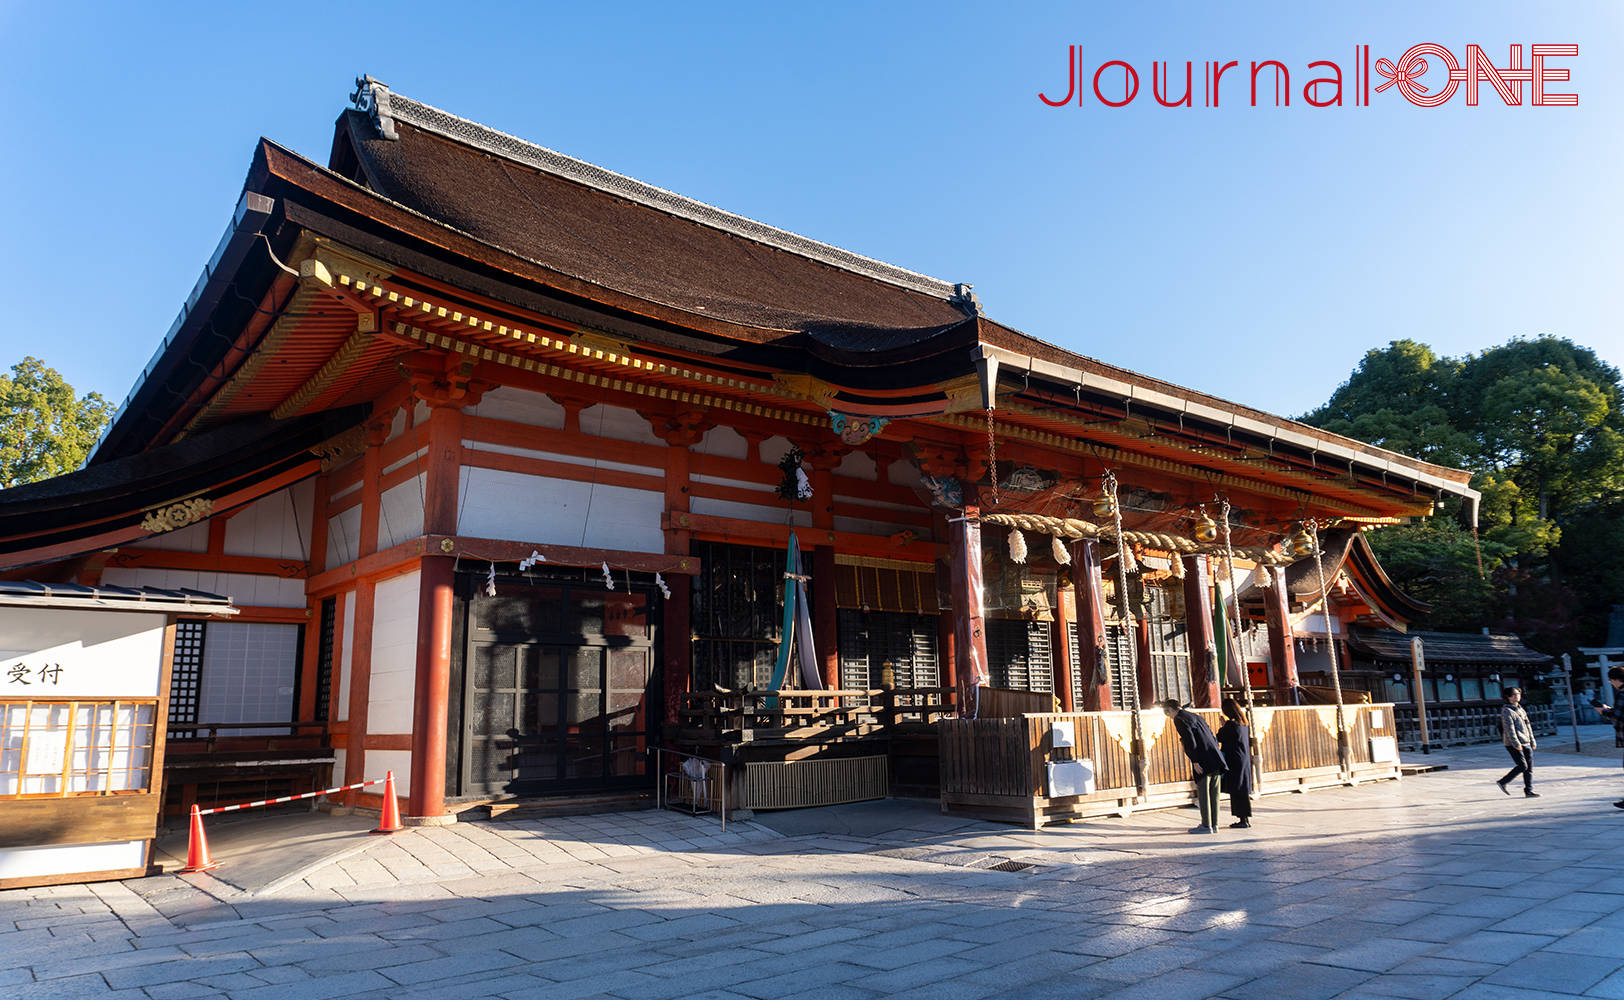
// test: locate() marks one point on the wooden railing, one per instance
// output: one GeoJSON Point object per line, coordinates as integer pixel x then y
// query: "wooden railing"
{"type": "Point", "coordinates": [1455, 724]}
{"type": "Point", "coordinates": [997, 767]}
{"type": "Point", "coordinates": [799, 715]}
{"type": "Point", "coordinates": [188, 733]}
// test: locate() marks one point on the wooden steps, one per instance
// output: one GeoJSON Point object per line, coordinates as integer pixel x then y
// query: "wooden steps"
{"type": "Point", "coordinates": [554, 806]}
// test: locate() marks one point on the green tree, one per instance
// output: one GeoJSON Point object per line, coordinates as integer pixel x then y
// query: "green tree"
{"type": "Point", "coordinates": [1540, 423]}
{"type": "Point", "coordinates": [45, 428]}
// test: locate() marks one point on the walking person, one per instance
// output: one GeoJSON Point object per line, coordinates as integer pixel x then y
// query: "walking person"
{"type": "Point", "coordinates": [1518, 735]}
{"type": "Point", "coordinates": [1235, 742]}
{"type": "Point", "coordinates": [1615, 713]}
{"type": "Point", "coordinates": [1205, 758]}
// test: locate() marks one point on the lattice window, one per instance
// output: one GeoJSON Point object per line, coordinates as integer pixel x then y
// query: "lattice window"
{"type": "Point", "coordinates": [67, 748]}
{"type": "Point", "coordinates": [1169, 645]}
{"type": "Point", "coordinates": [324, 658]}
{"type": "Point", "coordinates": [737, 615]}
{"type": "Point", "coordinates": [868, 642]}
{"type": "Point", "coordinates": [186, 674]}
{"type": "Point", "coordinates": [1119, 654]}
{"type": "Point", "coordinates": [1019, 655]}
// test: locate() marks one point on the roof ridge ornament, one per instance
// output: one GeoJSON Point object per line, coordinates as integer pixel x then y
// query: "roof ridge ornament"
{"type": "Point", "coordinates": [372, 97]}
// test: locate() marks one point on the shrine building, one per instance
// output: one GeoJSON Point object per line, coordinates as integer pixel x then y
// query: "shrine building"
{"type": "Point", "coordinates": [498, 453]}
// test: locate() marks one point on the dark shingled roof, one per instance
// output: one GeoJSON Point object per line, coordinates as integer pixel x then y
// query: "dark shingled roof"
{"type": "Point", "coordinates": [615, 241]}
{"type": "Point", "coordinates": [1445, 647]}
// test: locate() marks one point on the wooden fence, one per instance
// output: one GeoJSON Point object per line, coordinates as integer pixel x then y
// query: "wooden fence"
{"type": "Point", "coordinates": [1457, 725]}
{"type": "Point", "coordinates": [996, 768]}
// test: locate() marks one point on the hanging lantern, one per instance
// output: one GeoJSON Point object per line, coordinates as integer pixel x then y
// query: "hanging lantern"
{"type": "Point", "coordinates": [1062, 554]}
{"type": "Point", "coordinates": [1205, 530]}
{"type": "Point", "coordinates": [1017, 546]}
{"type": "Point", "coordinates": [1105, 508]}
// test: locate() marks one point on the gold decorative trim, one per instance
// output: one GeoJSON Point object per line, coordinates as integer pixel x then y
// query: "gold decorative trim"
{"type": "Point", "coordinates": [177, 515]}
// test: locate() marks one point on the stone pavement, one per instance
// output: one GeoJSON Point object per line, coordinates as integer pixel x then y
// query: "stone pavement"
{"type": "Point", "coordinates": [1436, 886]}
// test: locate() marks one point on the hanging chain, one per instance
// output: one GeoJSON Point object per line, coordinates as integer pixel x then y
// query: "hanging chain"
{"type": "Point", "coordinates": [992, 457]}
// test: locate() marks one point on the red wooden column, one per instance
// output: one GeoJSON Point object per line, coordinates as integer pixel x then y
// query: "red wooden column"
{"type": "Point", "coordinates": [1090, 600]}
{"type": "Point", "coordinates": [1147, 673]}
{"type": "Point", "coordinates": [355, 739]}
{"type": "Point", "coordinates": [1060, 647]}
{"type": "Point", "coordinates": [435, 605]}
{"type": "Point", "coordinates": [1205, 684]}
{"type": "Point", "coordinates": [1282, 652]}
{"type": "Point", "coordinates": [679, 432]}
{"type": "Point", "coordinates": [312, 639]}
{"type": "Point", "coordinates": [969, 634]}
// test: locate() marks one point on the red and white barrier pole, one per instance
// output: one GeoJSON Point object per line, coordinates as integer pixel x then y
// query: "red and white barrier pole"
{"type": "Point", "coordinates": [197, 846]}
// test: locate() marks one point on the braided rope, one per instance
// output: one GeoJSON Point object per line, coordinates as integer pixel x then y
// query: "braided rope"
{"type": "Point", "coordinates": [1071, 527]}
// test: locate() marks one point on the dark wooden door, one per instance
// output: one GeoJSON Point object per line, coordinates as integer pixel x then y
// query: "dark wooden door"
{"type": "Point", "coordinates": [560, 692]}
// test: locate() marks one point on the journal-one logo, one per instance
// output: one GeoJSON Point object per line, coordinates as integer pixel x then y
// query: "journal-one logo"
{"type": "Point", "coordinates": [1116, 83]}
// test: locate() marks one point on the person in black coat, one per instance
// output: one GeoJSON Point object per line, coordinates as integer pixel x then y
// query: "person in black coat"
{"type": "Point", "coordinates": [1235, 740]}
{"type": "Point", "coordinates": [1205, 759]}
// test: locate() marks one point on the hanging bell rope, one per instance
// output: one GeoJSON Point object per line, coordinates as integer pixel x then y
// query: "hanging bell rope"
{"type": "Point", "coordinates": [1125, 613]}
{"type": "Point", "coordinates": [1343, 750]}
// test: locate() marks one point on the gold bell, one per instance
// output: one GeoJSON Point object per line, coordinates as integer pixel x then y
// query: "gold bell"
{"type": "Point", "coordinates": [1205, 530]}
{"type": "Point", "coordinates": [1105, 507]}
{"type": "Point", "coordinates": [1302, 543]}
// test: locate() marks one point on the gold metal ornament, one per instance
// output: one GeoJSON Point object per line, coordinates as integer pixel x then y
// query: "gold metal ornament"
{"type": "Point", "coordinates": [1104, 508]}
{"type": "Point", "coordinates": [1302, 543]}
{"type": "Point", "coordinates": [1205, 530]}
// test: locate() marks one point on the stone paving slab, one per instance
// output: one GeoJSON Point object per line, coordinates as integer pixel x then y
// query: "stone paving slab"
{"type": "Point", "coordinates": [1436, 886]}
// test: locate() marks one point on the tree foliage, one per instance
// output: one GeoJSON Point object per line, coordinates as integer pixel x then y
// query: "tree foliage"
{"type": "Point", "coordinates": [1540, 424]}
{"type": "Point", "coordinates": [45, 428]}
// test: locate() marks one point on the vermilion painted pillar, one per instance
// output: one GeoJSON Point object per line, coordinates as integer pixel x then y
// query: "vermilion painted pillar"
{"type": "Point", "coordinates": [1282, 652]}
{"type": "Point", "coordinates": [1205, 684]}
{"type": "Point", "coordinates": [435, 605]}
{"type": "Point", "coordinates": [1092, 661]}
{"type": "Point", "coordinates": [355, 738]}
{"type": "Point", "coordinates": [1060, 645]}
{"type": "Point", "coordinates": [678, 644]}
{"type": "Point", "coordinates": [1147, 671]}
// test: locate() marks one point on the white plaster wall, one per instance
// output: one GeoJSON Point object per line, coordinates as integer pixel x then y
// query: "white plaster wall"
{"type": "Point", "coordinates": [618, 422]}
{"type": "Point", "coordinates": [275, 526]}
{"type": "Point", "coordinates": [553, 456]}
{"type": "Point", "coordinates": [344, 537]}
{"type": "Point", "coordinates": [242, 588]}
{"type": "Point", "coordinates": [519, 406]}
{"type": "Point", "coordinates": [36, 862]}
{"type": "Point", "coordinates": [774, 449]}
{"type": "Point", "coordinates": [724, 442]}
{"type": "Point", "coordinates": [400, 516]}
{"type": "Point", "coordinates": [404, 460]}
{"type": "Point", "coordinates": [346, 656]}
{"type": "Point", "coordinates": [381, 762]}
{"type": "Point", "coordinates": [397, 425]}
{"type": "Point", "coordinates": [858, 465]}
{"type": "Point", "coordinates": [904, 473]}
{"type": "Point", "coordinates": [748, 511]}
{"type": "Point", "coordinates": [394, 656]}
{"type": "Point", "coordinates": [863, 526]}
{"type": "Point", "coordinates": [192, 538]}
{"type": "Point", "coordinates": [738, 484]}
{"type": "Point", "coordinates": [515, 507]}
{"type": "Point", "coordinates": [341, 776]}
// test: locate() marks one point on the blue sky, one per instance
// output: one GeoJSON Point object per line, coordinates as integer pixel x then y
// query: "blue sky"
{"type": "Point", "coordinates": [1254, 253]}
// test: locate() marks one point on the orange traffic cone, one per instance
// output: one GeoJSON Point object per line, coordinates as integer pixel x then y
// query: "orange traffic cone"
{"type": "Point", "coordinates": [197, 847]}
{"type": "Point", "coordinates": [389, 822]}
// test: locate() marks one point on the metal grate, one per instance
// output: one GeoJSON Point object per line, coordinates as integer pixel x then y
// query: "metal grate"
{"type": "Point", "coordinates": [186, 674]}
{"type": "Point", "coordinates": [1011, 866]}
